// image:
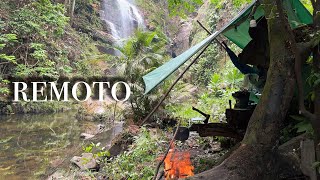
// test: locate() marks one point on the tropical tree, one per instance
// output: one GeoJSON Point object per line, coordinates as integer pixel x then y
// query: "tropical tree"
{"type": "Point", "coordinates": [142, 53]}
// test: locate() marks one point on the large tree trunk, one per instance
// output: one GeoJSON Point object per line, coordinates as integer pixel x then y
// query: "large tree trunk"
{"type": "Point", "coordinates": [316, 68]}
{"type": "Point", "coordinates": [316, 121]}
{"type": "Point", "coordinates": [257, 157]}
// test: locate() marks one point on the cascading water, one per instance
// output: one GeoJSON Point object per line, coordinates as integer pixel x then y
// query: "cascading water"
{"type": "Point", "coordinates": [122, 17]}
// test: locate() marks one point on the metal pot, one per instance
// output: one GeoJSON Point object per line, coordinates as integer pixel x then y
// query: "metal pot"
{"type": "Point", "coordinates": [182, 134]}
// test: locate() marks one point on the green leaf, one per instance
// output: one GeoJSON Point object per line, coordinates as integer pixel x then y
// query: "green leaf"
{"type": "Point", "coordinates": [316, 83]}
{"type": "Point", "coordinates": [215, 78]}
{"type": "Point", "coordinates": [303, 127]}
{"type": "Point", "coordinates": [316, 164]}
{"type": "Point", "coordinates": [298, 118]}
{"type": "Point", "coordinates": [11, 59]}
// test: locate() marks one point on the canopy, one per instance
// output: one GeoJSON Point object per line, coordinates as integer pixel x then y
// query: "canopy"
{"type": "Point", "coordinates": [236, 31]}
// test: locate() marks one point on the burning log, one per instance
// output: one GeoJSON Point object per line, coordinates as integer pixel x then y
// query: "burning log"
{"type": "Point", "coordinates": [177, 164]}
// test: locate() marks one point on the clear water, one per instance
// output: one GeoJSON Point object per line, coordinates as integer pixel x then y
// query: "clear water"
{"type": "Point", "coordinates": [34, 146]}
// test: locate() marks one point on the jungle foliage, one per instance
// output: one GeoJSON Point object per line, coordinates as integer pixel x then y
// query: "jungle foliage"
{"type": "Point", "coordinates": [37, 40]}
{"type": "Point", "coordinates": [138, 162]}
{"type": "Point", "coordinates": [142, 53]}
{"type": "Point", "coordinates": [183, 8]}
{"type": "Point", "coordinates": [38, 27]}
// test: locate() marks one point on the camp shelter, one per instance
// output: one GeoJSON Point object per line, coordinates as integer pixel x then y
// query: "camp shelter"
{"type": "Point", "coordinates": [236, 31]}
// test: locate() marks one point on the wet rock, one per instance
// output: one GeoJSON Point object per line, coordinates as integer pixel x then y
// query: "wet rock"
{"type": "Point", "coordinates": [135, 23]}
{"type": "Point", "coordinates": [107, 50]}
{"type": "Point", "coordinates": [102, 36]}
{"type": "Point", "coordinates": [106, 26]}
{"type": "Point", "coordinates": [86, 136]}
{"type": "Point", "coordinates": [85, 162]}
{"type": "Point", "coordinates": [92, 129]}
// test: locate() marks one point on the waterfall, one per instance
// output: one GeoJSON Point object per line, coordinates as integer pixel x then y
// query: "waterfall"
{"type": "Point", "coordinates": [122, 17]}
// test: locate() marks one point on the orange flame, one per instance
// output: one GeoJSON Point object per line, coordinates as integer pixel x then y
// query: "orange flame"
{"type": "Point", "coordinates": [178, 165]}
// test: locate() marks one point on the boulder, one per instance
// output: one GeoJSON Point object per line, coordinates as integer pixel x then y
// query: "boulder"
{"type": "Point", "coordinates": [108, 50]}
{"type": "Point", "coordinates": [86, 136]}
{"type": "Point", "coordinates": [85, 162]}
{"type": "Point", "coordinates": [106, 26]}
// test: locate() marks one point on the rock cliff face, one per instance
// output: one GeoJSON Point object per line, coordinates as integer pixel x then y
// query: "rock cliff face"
{"type": "Point", "coordinates": [183, 36]}
{"type": "Point", "coordinates": [181, 32]}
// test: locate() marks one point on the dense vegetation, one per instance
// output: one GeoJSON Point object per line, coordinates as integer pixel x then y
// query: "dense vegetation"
{"type": "Point", "coordinates": [38, 40]}
{"type": "Point", "coordinates": [45, 38]}
{"type": "Point", "coordinates": [145, 51]}
{"type": "Point", "coordinates": [215, 83]}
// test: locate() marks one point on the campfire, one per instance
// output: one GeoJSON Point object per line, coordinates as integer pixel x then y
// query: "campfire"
{"type": "Point", "coordinates": [177, 164]}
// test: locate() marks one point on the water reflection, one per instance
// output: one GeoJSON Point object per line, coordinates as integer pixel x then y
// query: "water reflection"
{"type": "Point", "coordinates": [33, 145]}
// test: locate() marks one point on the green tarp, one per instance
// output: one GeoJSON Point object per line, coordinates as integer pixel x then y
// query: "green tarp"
{"type": "Point", "coordinates": [155, 77]}
{"type": "Point", "coordinates": [236, 31]}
